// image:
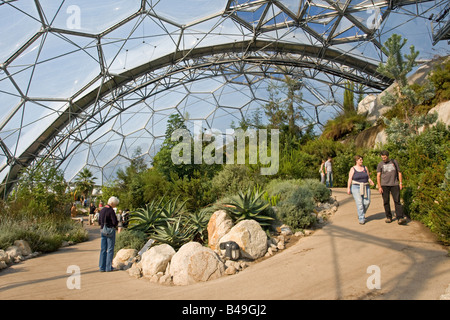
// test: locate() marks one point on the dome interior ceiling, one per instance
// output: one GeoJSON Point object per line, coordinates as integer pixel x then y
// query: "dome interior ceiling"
{"type": "Point", "coordinates": [87, 83]}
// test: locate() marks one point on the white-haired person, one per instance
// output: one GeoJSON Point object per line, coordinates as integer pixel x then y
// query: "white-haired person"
{"type": "Point", "coordinates": [107, 217]}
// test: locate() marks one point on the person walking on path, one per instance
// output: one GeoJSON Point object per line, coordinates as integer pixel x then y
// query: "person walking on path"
{"type": "Point", "coordinates": [322, 172]}
{"type": "Point", "coordinates": [389, 179]}
{"type": "Point", "coordinates": [359, 186]}
{"type": "Point", "coordinates": [107, 216]}
{"type": "Point", "coordinates": [329, 172]}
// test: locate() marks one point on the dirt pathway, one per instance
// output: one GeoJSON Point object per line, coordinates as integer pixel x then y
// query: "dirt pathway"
{"type": "Point", "coordinates": [335, 262]}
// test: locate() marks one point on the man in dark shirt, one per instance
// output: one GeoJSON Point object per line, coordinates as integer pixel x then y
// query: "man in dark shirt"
{"type": "Point", "coordinates": [107, 216]}
{"type": "Point", "coordinates": [389, 179]}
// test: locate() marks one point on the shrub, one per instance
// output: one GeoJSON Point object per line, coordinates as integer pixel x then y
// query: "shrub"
{"type": "Point", "coordinates": [184, 227]}
{"type": "Point", "coordinates": [155, 215]}
{"type": "Point", "coordinates": [342, 155]}
{"type": "Point", "coordinates": [294, 164]}
{"type": "Point", "coordinates": [320, 192]}
{"type": "Point", "coordinates": [42, 234]}
{"type": "Point", "coordinates": [322, 148]}
{"type": "Point", "coordinates": [296, 202]}
{"type": "Point", "coordinates": [196, 191]}
{"type": "Point", "coordinates": [344, 125]}
{"type": "Point", "coordinates": [440, 216]}
{"type": "Point", "coordinates": [232, 179]}
{"type": "Point", "coordinates": [400, 132]}
{"type": "Point", "coordinates": [155, 185]}
{"type": "Point", "coordinates": [303, 199]}
{"type": "Point", "coordinates": [441, 80]}
{"type": "Point", "coordinates": [130, 239]}
{"type": "Point", "coordinates": [166, 221]}
{"type": "Point", "coordinates": [40, 191]}
{"type": "Point", "coordinates": [342, 164]}
{"type": "Point", "coordinates": [281, 188]}
{"type": "Point", "coordinates": [424, 160]}
{"type": "Point", "coordinates": [294, 218]}
{"type": "Point", "coordinates": [430, 204]}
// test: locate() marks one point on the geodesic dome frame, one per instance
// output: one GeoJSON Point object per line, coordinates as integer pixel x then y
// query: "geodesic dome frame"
{"type": "Point", "coordinates": [88, 83]}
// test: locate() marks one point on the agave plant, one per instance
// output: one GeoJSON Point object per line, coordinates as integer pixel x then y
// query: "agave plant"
{"type": "Point", "coordinates": [248, 205]}
{"type": "Point", "coordinates": [199, 222]}
{"type": "Point", "coordinates": [174, 233]}
{"type": "Point", "coordinates": [171, 209]}
{"type": "Point", "coordinates": [156, 216]}
{"type": "Point", "coordinates": [149, 218]}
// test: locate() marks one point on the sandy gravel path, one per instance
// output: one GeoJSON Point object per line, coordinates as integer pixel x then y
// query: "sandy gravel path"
{"type": "Point", "coordinates": [330, 264]}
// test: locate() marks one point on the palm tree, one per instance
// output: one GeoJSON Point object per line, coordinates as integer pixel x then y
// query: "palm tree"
{"type": "Point", "coordinates": [84, 182]}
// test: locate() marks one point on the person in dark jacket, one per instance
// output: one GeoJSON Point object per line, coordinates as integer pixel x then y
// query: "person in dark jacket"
{"type": "Point", "coordinates": [92, 209]}
{"type": "Point", "coordinates": [108, 216]}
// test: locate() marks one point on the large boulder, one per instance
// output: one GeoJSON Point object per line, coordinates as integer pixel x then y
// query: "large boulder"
{"type": "Point", "coordinates": [4, 259]}
{"type": "Point", "coordinates": [14, 253]}
{"type": "Point", "coordinates": [135, 270]}
{"type": "Point", "coordinates": [24, 247]}
{"type": "Point", "coordinates": [250, 237]}
{"type": "Point", "coordinates": [368, 104]}
{"type": "Point", "coordinates": [156, 259]}
{"type": "Point", "coordinates": [219, 224]}
{"type": "Point", "coordinates": [372, 105]}
{"type": "Point", "coordinates": [443, 111]}
{"type": "Point", "coordinates": [124, 259]}
{"type": "Point", "coordinates": [195, 263]}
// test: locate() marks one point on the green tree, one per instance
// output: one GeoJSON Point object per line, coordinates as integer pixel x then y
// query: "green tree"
{"type": "Point", "coordinates": [41, 190]}
{"type": "Point", "coordinates": [155, 185]}
{"type": "Point", "coordinates": [397, 67]}
{"type": "Point", "coordinates": [349, 98]}
{"type": "Point", "coordinates": [284, 109]}
{"type": "Point", "coordinates": [401, 133]}
{"type": "Point", "coordinates": [84, 182]}
{"type": "Point", "coordinates": [129, 183]}
{"type": "Point", "coordinates": [163, 159]}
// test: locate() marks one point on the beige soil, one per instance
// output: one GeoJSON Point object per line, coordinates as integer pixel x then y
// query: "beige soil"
{"type": "Point", "coordinates": [332, 263]}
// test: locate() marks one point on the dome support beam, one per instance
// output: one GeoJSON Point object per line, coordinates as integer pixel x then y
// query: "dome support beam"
{"type": "Point", "coordinates": [300, 56]}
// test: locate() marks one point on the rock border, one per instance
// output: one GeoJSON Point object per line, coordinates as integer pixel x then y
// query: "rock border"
{"type": "Point", "coordinates": [164, 266]}
{"type": "Point", "coordinates": [16, 253]}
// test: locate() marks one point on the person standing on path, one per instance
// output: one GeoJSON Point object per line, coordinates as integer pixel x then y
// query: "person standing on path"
{"type": "Point", "coordinates": [329, 172]}
{"type": "Point", "coordinates": [359, 186]}
{"type": "Point", "coordinates": [92, 209]}
{"type": "Point", "coordinates": [389, 179]}
{"type": "Point", "coordinates": [108, 216]}
{"type": "Point", "coordinates": [73, 211]}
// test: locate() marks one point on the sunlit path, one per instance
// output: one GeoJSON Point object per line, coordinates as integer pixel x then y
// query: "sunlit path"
{"type": "Point", "coordinates": [330, 264]}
